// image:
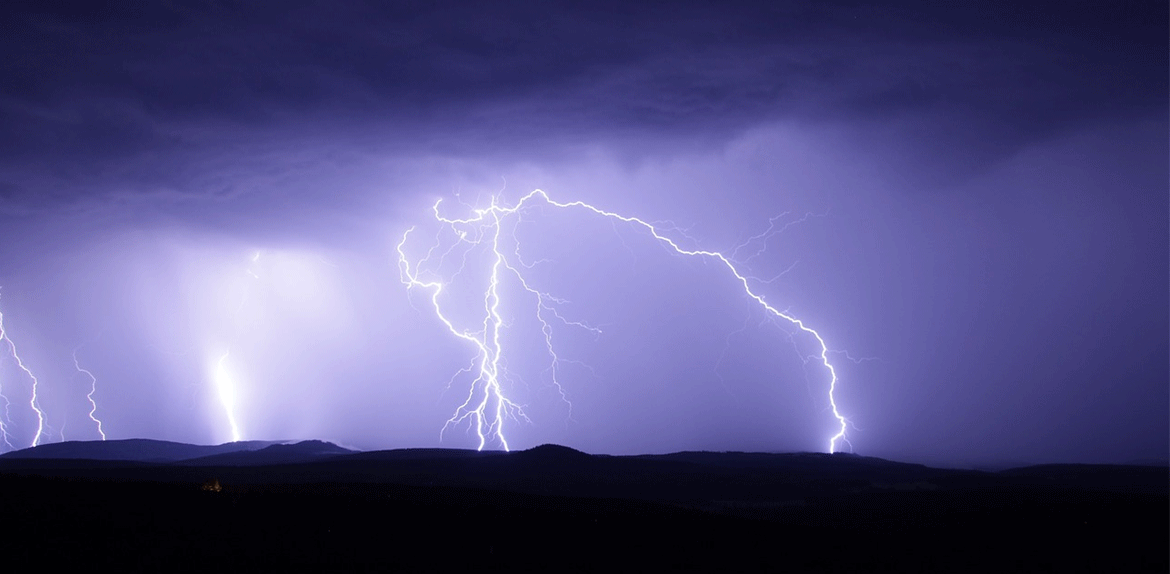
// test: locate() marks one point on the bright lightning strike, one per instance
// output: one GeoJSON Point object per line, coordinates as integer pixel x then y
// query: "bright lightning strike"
{"type": "Point", "coordinates": [225, 387]}
{"type": "Point", "coordinates": [92, 390]}
{"type": "Point", "coordinates": [225, 383]}
{"type": "Point", "coordinates": [33, 402]}
{"type": "Point", "coordinates": [487, 408]}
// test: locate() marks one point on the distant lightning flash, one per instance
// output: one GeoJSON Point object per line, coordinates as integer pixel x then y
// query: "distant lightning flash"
{"type": "Point", "coordinates": [225, 384]}
{"type": "Point", "coordinates": [92, 390]}
{"type": "Point", "coordinates": [33, 402]}
{"type": "Point", "coordinates": [486, 407]}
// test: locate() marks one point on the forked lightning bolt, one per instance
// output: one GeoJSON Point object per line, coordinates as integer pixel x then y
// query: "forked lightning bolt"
{"type": "Point", "coordinates": [92, 390]}
{"type": "Point", "coordinates": [487, 407]}
{"type": "Point", "coordinates": [36, 407]}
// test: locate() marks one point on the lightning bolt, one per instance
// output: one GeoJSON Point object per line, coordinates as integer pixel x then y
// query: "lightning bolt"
{"type": "Point", "coordinates": [487, 407]}
{"type": "Point", "coordinates": [33, 402]}
{"type": "Point", "coordinates": [225, 387]}
{"type": "Point", "coordinates": [92, 390]}
{"type": "Point", "coordinates": [225, 384]}
{"type": "Point", "coordinates": [7, 419]}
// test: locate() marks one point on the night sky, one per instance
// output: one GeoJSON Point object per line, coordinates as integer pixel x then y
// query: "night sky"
{"type": "Point", "coordinates": [969, 203]}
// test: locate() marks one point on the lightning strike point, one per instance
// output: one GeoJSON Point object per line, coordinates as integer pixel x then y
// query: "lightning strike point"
{"type": "Point", "coordinates": [92, 402]}
{"type": "Point", "coordinates": [225, 388]}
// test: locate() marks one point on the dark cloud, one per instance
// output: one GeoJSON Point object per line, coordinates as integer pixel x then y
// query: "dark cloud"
{"type": "Point", "coordinates": [90, 83]}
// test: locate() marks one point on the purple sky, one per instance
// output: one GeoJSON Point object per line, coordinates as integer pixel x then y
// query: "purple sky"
{"type": "Point", "coordinates": [986, 191]}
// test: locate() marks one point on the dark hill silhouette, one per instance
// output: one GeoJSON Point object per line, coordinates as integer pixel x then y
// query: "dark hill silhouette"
{"type": "Point", "coordinates": [406, 454]}
{"type": "Point", "coordinates": [558, 469]}
{"type": "Point", "coordinates": [314, 505]}
{"type": "Point", "coordinates": [300, 452]}
{"type": "Point", "coordinates": [554, 452]}
{"type": "Point", "coordinates": [136, 449]}
{"type": "Point", "coordinates": [1140, 478]}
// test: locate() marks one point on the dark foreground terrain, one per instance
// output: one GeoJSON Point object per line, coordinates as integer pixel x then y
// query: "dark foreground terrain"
{"type": "Point", "coordinates": [153, 505]}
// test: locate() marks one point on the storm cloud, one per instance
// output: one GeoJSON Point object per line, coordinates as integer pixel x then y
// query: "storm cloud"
{"type": "Point", "coordinates": [981, 195]}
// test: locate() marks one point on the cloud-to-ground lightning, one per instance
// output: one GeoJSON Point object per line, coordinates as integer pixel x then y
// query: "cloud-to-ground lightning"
{"type": "Point", "coordinates": [225, 383]}
{"type": "Point", "coordinates": [487, 407]}
{"type": "Point", "coordinates": [92, 389]}
{"type": "Point", "coordinates": [33, 400]}
{"type": "Point", "coordinates": [225, 388]}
